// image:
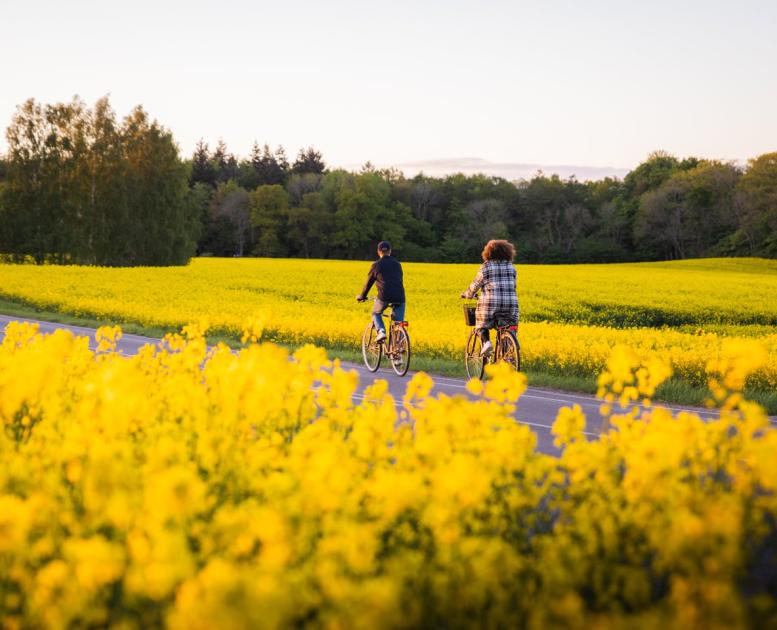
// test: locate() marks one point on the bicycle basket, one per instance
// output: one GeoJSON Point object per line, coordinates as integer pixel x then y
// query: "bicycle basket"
{"type": "Point", "coordinates": [469, 314]}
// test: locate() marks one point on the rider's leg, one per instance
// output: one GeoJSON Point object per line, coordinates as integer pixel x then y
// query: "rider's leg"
{"type": "Point", "coordinates": [377, 319]}
{"type": "Point", "coordinates": [398, 312]}
{"type": "Point", "coordinates": [485, 343]}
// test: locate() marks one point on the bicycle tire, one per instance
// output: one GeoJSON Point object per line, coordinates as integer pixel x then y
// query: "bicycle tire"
{"type": "Point", "coordinates": [473, 362]}
{"type": "Point", "coordinates": [371, 349]}
{"type": "Point", "coordinates": [400, 350]}
{"type": "Point", "coordinates": [510, 350]}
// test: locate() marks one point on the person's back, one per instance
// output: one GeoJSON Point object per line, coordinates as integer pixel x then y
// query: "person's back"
{"type": "Point", "coordinates": [387, 272]}
{"type": "Point", "coordinates": [498, 289]}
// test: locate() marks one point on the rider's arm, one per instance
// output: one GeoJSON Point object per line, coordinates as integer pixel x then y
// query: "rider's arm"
{"type": "Point", "coordinates": [476, 285]}
{"type": "Point", "coordinates": [371, 277]}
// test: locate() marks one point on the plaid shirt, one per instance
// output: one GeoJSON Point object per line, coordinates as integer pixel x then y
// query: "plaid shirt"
{"type": "Point", "coordinates": [496, 282]}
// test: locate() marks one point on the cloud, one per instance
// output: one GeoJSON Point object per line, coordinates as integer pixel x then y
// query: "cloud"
{"type": "Point", "coordinates": [507, 170]}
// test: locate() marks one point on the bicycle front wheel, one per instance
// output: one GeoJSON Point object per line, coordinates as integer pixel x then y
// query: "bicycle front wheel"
{"type": "Point", "coordinates": [371, 349]}
{"type": "Point", "coordinates": [510, 350]}
{"type": "Point", "coordinates": [472, 359]}
{"type": "Point", "coordinates": [400, 351]}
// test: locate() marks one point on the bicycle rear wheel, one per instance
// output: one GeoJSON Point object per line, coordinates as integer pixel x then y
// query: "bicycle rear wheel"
{"type": "Point", "coordinates": [400, 350]}
{"type": "Point", "coordinates": [371, 349]}
{"type": "Point", "coordinates": [509, 350]}
{"type": "Point", "coordinates": [472, 359]}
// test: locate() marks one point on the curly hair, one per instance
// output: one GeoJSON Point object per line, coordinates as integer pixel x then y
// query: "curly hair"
{"type": "Point", "coordinates": [497, 249]}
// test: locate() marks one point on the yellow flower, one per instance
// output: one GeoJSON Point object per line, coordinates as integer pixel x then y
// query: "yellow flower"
{"type": "Point", "coordinates": [568, 426]}
{"type": "Point", "coordinates": [418, 388]}
{"type": "Point", "coordinates": [204, 488]}
{"type": "Point", "coordinates": [107, 337]}
{"type": "Point", "coordinates": [95, 560]}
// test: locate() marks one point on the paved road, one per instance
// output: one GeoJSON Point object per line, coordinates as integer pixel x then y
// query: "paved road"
{"type": "Point", "coordinates": [537, 408]}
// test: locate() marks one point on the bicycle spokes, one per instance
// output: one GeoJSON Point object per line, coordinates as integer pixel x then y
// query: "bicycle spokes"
{"type": "Point", "coordinates": [371, 349]}
{"type": "Point", "coordinates": [473, 361]}
{"type": "Point", "coordinates": [509, 351]}
{"type": "Point", "coordinates": [400, 350]}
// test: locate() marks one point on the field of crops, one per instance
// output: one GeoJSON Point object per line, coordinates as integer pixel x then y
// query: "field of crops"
{"type": "Point", "coordinates": [203, 489]}
{"type": "Point", "coordinates": [571, 316]}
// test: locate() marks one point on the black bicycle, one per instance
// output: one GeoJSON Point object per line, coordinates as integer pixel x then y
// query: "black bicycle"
{"type": "Point", "coordinates": [506, 348]}
{"type": "Point", "coordinates": [396, 346]}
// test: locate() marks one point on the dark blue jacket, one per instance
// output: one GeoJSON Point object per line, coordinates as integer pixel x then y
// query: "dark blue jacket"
{"type": "Point", "coordinates": [386, 272]}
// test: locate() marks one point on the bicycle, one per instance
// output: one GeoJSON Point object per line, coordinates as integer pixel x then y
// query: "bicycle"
{"type": "Point", "coordinates": [396, 346]}
{"type": "Point", "coordinates": [507, 349]}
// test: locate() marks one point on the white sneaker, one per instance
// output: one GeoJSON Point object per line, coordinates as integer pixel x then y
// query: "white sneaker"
{"type": "Point", "coordinates": [487, 349]}
{"type": "Point", "coordinates": [381, 336]}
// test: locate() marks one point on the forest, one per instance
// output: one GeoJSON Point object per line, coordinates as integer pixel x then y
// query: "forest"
{"type": "Point", "coordinates": [78, 185]}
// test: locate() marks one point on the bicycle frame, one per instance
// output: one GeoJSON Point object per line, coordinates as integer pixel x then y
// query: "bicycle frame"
{"type": "Point", "coordinates": [393, 324]}
{"type": "Point", "coordinates": [506, 348]}
{"type": "Point", "coordinates": [502, 330]}
{"type": "Point", "coordinates": [395, 346]}
{"type": "Point", "coordinates": [389, 312]}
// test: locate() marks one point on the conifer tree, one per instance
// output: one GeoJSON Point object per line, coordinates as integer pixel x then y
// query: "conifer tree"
{"type": "Point", "coordinates": [203, 168]}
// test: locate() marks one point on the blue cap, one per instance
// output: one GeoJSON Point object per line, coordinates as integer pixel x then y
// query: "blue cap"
{"type": "Point", "coordinates": [384, 246]}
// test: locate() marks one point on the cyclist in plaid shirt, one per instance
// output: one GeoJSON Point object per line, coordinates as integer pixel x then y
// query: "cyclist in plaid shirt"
{"type": "Point", "coordinates": [496, 282]}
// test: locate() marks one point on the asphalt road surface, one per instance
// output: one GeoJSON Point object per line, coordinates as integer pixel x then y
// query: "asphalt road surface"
{"type": "Point", "coordinates": [537, 408]}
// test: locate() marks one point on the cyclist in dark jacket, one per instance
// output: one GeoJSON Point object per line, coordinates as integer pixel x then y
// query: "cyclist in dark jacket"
{"type": "Point", "coordinates": [386, 272]}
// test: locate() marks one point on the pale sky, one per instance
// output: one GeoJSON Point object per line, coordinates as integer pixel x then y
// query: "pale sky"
{"type": "Point", "coordinates": [593, 83]}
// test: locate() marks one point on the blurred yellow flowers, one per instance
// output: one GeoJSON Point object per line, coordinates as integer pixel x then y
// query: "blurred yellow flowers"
{"type": "Point", "coordinates": [191, 487]}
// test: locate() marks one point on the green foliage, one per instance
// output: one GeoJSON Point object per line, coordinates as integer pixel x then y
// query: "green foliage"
{"type": "Point", "coordinates": [309, 161]}
{"type": "Point", "coordinates": [203, 169]}
{"type": "Point", "coordinates": [364, 213]}
{"type": "Point", "coordinates": [271, 168]}
{"type": "Point", "coordinates": [269, 206]}
{"type": "Point", "coordinates": [82, 187]}
{"type": "Point", "coordinates": [309, 223]}
{"type": "Point", "coordinates": [654, 171]}
{"type": "Point", "coordinates": [230, 212]}
{"type": "Point", "coordinates": [298, 186]}
{"type": "Point", "coordinates": [758, 219]}
{"type": "Point", "coordinates": [689, 213]}
{"type": "Point", "coordinates": [225, 163]}
{"type": "Point", "coordinates": [198, 201]}
{"type": "Point", "coordinates": [665, 208]}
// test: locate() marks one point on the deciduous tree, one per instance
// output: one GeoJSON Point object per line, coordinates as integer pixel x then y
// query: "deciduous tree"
{"type": "Point", "coordinates": [269, 215]}
{"type": "Point", "coordinates": [758, 219]}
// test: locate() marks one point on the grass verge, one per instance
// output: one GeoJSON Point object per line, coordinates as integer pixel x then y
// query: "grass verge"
{"type": "Point", "coordinates": [673, 391]}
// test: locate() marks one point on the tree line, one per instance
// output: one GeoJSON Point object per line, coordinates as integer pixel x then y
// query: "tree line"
{"type": "Point", "coordinates": [77, 185]}
{"type": "Point", "coordinates": [666, 208]}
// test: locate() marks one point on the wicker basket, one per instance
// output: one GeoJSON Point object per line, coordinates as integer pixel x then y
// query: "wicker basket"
{"type": "Point", "coordinates": [469, 314]}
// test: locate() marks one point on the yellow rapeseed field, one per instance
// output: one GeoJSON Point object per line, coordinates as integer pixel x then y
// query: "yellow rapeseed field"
{"type": "Point", "coordinates": [571, 315]}
{"type": "Point", "coordinates": [196, 489]}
